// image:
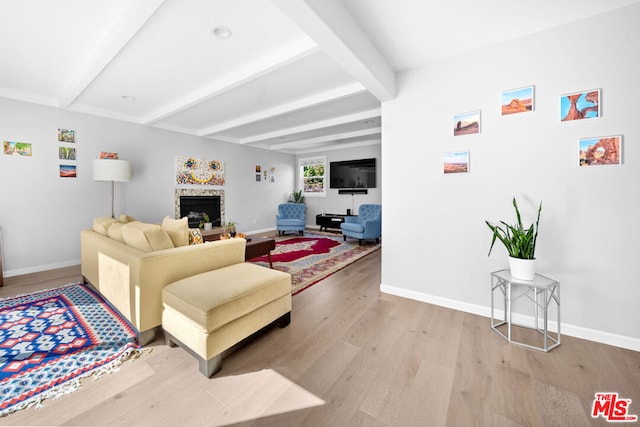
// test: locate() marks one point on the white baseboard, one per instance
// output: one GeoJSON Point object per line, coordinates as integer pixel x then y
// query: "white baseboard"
{"type": "Point", "coordinates": [264, 230]}
{"type": "Point", "coordinates": [602, 337]}
{"type": "Point", "coordinates": [39, 268]}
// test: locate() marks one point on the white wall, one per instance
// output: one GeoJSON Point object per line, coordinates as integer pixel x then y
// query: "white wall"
{"type": "Point", "coordinates": [339, 203]}
{"type": "Point", "coordinates": [41, 215]}
{"type": "Point", "coordinates": [589, 229]}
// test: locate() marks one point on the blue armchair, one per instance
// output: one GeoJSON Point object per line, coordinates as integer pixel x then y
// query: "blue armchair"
{"type": "Point", "coordinates": [291, 217]}
{"type": "Point", "coordinates": [367, 225]}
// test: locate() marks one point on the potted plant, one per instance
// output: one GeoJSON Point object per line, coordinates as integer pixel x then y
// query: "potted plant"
{"type": "Point", "coordinates": [520, 244]}
{"type": "Point", "coordinates": [230, 227]}
{"type": "Point", "coordinates": [296, 197]}
{"type": "Point", "coordinates": [206, 221]}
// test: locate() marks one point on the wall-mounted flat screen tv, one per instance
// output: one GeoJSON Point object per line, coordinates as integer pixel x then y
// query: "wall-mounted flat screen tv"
{"type": "Point", "coordinates": [353, 174]}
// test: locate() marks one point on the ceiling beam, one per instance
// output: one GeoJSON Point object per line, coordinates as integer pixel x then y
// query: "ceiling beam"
{"type": "Point", "coordinates": [327, 138]}
{"type": "Point", "coordinates": [123, 30]}
{"type": "Point", "coordinates": [348, 118]}
{"type": "Point", "coordinates": [331, 25]}
{"type": "Point", "coordinates": [300, 104]}
{"type": "Point", "coordinates": [339, 146]}
{"type": "Point", "coordinates": [272, 62]}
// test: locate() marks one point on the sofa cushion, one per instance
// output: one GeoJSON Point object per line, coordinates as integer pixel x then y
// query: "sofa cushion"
{"type": "Point", "coordinates": [215, 298]}
{"type": "Point", "coordinates": [178, 230]}
{"type": "Point", "coordinates": [101, 224]}
{"type": "Point", "coordinates": [115, 231]}
{"type": "Point", "coordinates": [352, 226]}
{"type": "Point", "coordinates": [195, 236]}
{"type": "Point", "coordinates": [146, 237]}
{"type": "Point", "coordinates": [124, 219]}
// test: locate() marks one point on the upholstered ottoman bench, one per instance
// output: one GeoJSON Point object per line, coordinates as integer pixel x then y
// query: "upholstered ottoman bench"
{"type": "Point", "coordinates": [210, 312]}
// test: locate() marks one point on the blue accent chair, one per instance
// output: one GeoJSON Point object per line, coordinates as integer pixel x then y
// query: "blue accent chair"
{"type": "Point", "coordinates": [291, 217]}
{"type": "Point", "coordinates": [367, 225]}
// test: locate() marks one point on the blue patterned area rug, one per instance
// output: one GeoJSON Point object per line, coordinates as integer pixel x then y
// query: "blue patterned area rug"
{"type": "Point", "coordinates": [50, 340]}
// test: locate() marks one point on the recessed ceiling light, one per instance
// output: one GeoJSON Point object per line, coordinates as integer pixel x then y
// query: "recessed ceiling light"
{"type": "Point", "coordinates": [128, 98]}
{"type": "Point", "coordinates": [222, 32]}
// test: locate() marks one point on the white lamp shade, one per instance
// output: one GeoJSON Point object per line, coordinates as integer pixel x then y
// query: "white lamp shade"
{"type": "Point", "coordinates": [111, 170]}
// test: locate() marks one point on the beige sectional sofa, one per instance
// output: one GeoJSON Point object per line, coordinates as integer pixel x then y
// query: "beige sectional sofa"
{"type": "Point", "coordinates": [131, 262]}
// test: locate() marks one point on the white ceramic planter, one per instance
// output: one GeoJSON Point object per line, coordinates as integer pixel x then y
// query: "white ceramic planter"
{"type": "Point", "coordinates": [523, 269]}
{"type": "Point", "coordinates": [208, 225]}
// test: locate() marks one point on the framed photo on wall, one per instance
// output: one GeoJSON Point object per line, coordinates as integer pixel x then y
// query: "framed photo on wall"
{"type": "Point", "coordinates": [580, 105]}
{"type": "Point", "coordinates": [601, 151]}
{"type": "Point", "coordinates": [455, 162]}
{"type": "Point", "coordinates": [466, 123]}
{"type": "Point", "coordinates": [517, 100]}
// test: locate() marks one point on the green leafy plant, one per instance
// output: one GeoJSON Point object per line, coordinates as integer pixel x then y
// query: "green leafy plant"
{"type": "Point", "coordinates": [519, 242]}
{"type": "Point", "coordinates": [205, 219]}
{"type": "Point", "coordinates": [296, 197]}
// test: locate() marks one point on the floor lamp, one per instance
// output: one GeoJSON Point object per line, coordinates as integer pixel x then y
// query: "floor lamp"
{"type": "Point", "coordinates": [111, 170]}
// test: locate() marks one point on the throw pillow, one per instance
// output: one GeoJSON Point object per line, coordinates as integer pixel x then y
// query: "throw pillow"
{"type": "Point", "coordinates": [178, 230]}
{"type": "Point", "coordinates": [126, 219]}
{"type": "Point", "coordinates": [101, 224]}
{"type": "Point", "coordinates": [115, 231]}
{"type": "Point", "coordinates": [146, 237]}
{"type": "Point", "coordinates": [195, 236]}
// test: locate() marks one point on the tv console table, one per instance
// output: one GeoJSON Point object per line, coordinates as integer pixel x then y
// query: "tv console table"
{"type": "Point", "coordinates": [330, 220]}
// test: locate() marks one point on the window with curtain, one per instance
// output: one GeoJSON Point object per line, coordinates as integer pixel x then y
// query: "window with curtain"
{"type": "Point", "coordinates": [311, 172]}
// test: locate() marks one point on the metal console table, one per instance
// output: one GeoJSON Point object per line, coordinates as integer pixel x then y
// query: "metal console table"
{"type": "Point", "coordinates": [542, 291]}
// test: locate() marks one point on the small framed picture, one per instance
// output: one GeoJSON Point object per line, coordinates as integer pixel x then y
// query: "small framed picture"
{"type": "Point", "coordinates": [68, 171]}
{"type": "Point", "coordinates": [12, 148]}
{"type": "Point", "coordinates": [455, 162]}
{"type": "Point", "coordinates": [466, 123]}
{"type": "Point", "coordinates": [66, 153]}
{"type": "Point", "coordinates": [580, 105]}
{"type": "Point", "coordinates": [601, 151]}
{"type": "Point", "coordinates": [66, 135]}
{"type": "Point", "coordinates": [517, 100]}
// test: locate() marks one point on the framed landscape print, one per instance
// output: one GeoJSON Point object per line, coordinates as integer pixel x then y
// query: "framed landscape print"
{"type": "Point", "coordinates": [605, 150]}
{"type": "Point", "coordinates": [455, 162]}
{"type": "Point", "coordinates": [68, 171]}
{"type": "Point", "coordinates": [580, 105]}
{"type": "Point", "coordinates": [466, 123]}
{"type": "Point", "coordinates": [517, 100]}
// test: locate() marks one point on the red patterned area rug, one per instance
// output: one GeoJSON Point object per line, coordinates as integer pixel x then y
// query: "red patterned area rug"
{"type": "Point", "coordinates": [51, 339]}
{"type": "Point", "coordinates": [314, 256]}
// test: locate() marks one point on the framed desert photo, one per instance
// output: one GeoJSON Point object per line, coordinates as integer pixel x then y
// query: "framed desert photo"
{"type": "Point", "coordinates": [68, 171]}
{"type": "Point", "coordinates": [455, 162]}
{"type": "Point", "coordinates": [517, 100]}
{"type": "Point", "coordinates": [601, 151]}
{"type": "Point", "coordinates": [580, 105]}
{"type": "Point", "coordinates": [466, 123]}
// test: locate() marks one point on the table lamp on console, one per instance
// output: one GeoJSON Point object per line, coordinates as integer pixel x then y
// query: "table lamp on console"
{"type": "Point", "coordinates": [113, 170]}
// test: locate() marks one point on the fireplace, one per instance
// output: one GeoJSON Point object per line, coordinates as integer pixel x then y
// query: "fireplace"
{"type": "Point", "coordinates": [194, 203]}
{"type": "Point", "coordinates": [194, 208]}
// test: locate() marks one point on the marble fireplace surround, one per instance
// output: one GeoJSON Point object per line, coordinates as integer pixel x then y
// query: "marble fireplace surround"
{"type": "Point", "coordinates": [198, 192]}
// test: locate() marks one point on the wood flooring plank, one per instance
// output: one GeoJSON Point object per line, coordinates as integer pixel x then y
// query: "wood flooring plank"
{"type": "Point", "coordinates": [318, 379]}
{"type": "Point", "coordinates": [345, 396]}
{"type": "Point", "coordinates": [561, 408]}
{"type": "Point", "coordinates": [427, 401]}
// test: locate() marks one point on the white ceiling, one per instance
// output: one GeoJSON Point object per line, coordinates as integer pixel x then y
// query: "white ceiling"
{"type": "Point", "coordinates": [296, 76]}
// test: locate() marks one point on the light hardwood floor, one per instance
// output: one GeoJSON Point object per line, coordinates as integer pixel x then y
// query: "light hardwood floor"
{"type": "Point", "coordinates": [374, 359]}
